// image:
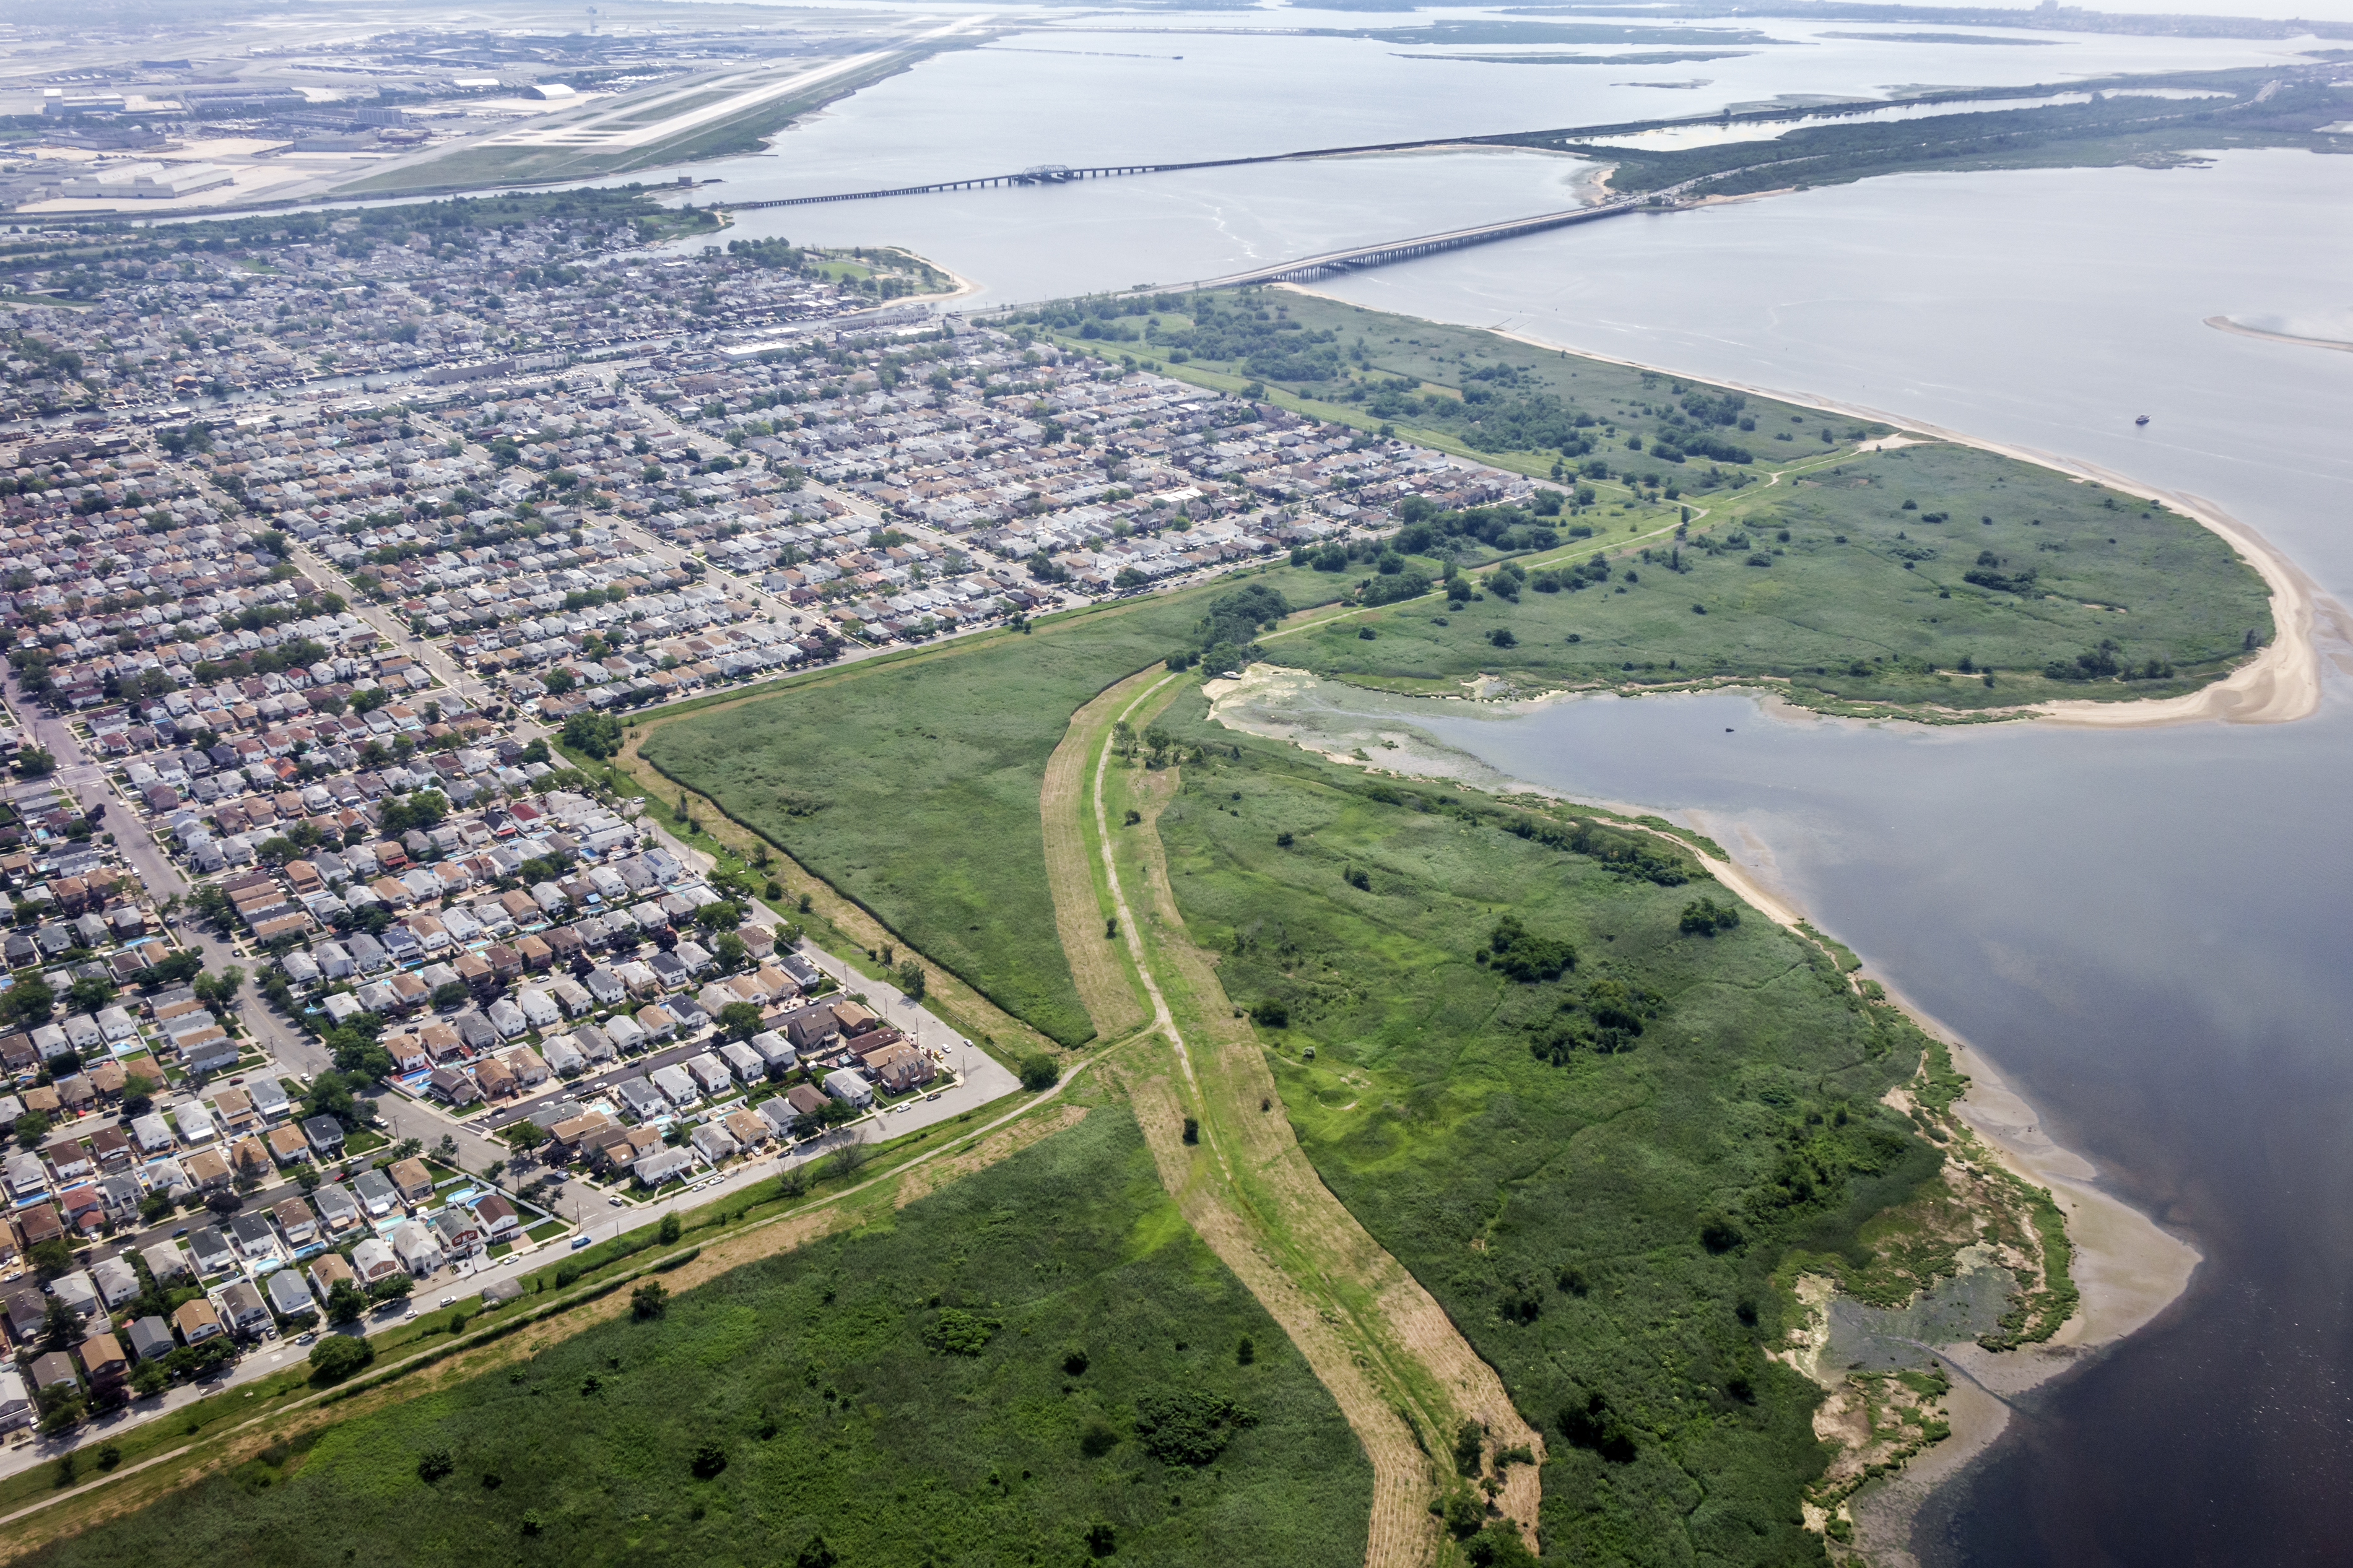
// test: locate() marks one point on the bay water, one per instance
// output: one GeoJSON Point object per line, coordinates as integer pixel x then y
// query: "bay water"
{"type": "Point", "coordinates": [2146, 931]}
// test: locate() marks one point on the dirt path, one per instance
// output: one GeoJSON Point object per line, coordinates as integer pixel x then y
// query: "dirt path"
{"type": "Point", "coordinates": [924, 1182]}
{"type": "Point", "coordinates": [1403, 1376]}
{"type": "Point", "coordinates": [1105, 985]}
{"type": "Point", "coordinates": [1402, 1318]}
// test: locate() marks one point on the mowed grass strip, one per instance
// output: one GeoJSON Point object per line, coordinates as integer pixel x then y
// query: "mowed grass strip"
{"type": "Point", "coordinates": [962, 1381]}
{"type": "Point", "coordinates": [1606, 1228]}
{"type": "Point", "coordinates": [912, 787]}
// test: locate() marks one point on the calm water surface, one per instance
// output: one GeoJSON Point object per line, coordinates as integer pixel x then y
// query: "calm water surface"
{"type": "Point", "coordinates": [2150, 931]}
{"type": "Point", "coordinates": [2147, 930]}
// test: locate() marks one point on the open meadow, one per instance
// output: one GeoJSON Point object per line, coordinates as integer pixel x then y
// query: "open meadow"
{"type": "Point", "coordinates": [912, 784]}
{"type": "Point", "coordinates": [1928, 575]}
{"type": "Point", "coordinates": [1707, 533]}
{"type": "Point", "coordinates": [1032, 1363]}
{"type": "Point", "coordinates": [1593, 1110]}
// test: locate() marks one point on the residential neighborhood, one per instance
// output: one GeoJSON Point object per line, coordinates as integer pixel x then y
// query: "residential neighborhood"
{"type": "Point", "coordinates": [338, 972]}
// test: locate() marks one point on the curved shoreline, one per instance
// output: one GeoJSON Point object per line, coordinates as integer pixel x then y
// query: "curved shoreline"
{"type": "Point", "coordinates": [2280, 685]}
{"type": "Point", "coordinates": [2127, 1268]}
{"type": "Point", "coordinates": [2224, 324]}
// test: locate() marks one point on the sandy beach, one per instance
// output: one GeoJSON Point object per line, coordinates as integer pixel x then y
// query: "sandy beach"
{"type": "Point", "coordinates": [2279, 685]}
{"type": "Point", "coordinates": [2127, 1268]}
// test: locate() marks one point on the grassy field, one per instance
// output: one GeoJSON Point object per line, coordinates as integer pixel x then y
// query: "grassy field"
{"type": "Point", "coordinates": [1460, 389]}
{"type": "Point", "coordinates": [1604, 1223]}
{"type": "Point", "coordinates": [1867, 601]}
{"type": "Point", "coordinates": [983, 1378]}
{"type": "Point", "coordinates": [1851, 581]}
{"type": "Point", "coordinates": [913, 787]}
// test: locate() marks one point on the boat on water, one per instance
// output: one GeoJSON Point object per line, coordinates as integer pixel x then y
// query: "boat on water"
{"type": "Point", "coordinates": [2142, 420]}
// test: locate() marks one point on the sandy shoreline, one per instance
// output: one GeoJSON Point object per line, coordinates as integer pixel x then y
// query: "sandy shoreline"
{"type": "Point", "coordinates": [2224, 324]}
{"type": "Point", "coordinates": [2279, 685]}
{"type": "Point", "coordinates": [2127, 1268]}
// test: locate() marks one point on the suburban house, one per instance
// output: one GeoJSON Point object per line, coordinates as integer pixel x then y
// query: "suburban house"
{"type": "Point", "coordinates": [212, 1250]}
{"type": "Point", "coordinates": [288, 1297]}
{"type": "Point", "coordinates": [847, 1087]}
{"type": "Point", "coordinates": [677, 1085]}
{"type": "Point", "coordinates": [336, 1206]}
{"type": "Point", "coordinates": [376, 1193]}
{"type": "Point", "coordinates": [661, 1165]}
{"type": "Point", "coordinates": [295, 1218]}
{"type": "Point", "coordinates": [329, 1271]}
{"type": "Point", "coordinates": [411, 1180]}
{"type": "Point", "coordinates": [325, 1136]}
{"type": "Point", "coordinates": [902, 1067]}
{"type": "Point", "coordinates": [371, 1260]}
{"type": "Point", "coordinates": [242, 1305]}
{"type": "Point", "coordinates": [151, 1338]}
{"type": "Point", "coordinates": [710, 1072]}
{"type": "Point", "coordinates": [116, 1280]}
{"type": "Point", "coordinates": [418, 1249]}
{"type": "Point", "coordinates": [17, 1407]}
{"type": "Point", "coordinates": [103, 1358]}
{"type": "Point", "coordinates": [748, 1128]}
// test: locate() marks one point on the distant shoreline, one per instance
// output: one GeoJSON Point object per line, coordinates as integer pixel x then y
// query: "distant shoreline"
{"type": "Point", "coordinates": [2224, 324]}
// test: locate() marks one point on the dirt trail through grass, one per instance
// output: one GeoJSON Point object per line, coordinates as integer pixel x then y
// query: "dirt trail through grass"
{"type": "Point", "coordinates": [928, 1179]}
{"type": "Point", "coordinates": [1106, 985]}
{"type": "Point", "coordinates": [1400, 1372]}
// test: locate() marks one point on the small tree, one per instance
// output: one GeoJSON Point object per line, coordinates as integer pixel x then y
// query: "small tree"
{"type": "Point", "coordinates": [670, 1230]}
{"type": "Point", "coordinates": [60, 1325]}
{"type": "Point", "coordinates": [346, 1302]}
{"type": "Point", "coordinates": [50, 1259]}
{"type": "Point", "coordinates": [649, 1301]}
{"type": "Point", "coordinates": [337, 1356]}
{"type": "Point", "coordinates": [911, 978]}
{"type": "Point", "coordinates": [740, 1020]}
{"type": "Point", "coordinates": [1039, 1073]}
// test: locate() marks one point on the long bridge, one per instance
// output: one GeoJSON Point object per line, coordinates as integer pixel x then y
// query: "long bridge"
{"type": "Point", "coordinates": [1307, 270]}
{"type": "Point", "coordinates": [1041, 175]}
{"type": "Point", "coordinates": [1554, 140]}
{"type": "Point", "coordinates": [1063, 173]}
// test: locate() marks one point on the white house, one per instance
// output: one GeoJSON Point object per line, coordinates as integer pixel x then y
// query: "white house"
{"type": "Point", "coordinates": [659, 1165]}
{"type": "Point", "coordinates": [845, 1085]}
{"type": "Point", "coordinates": [417, 1248]}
